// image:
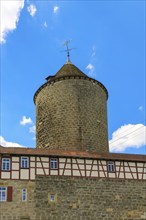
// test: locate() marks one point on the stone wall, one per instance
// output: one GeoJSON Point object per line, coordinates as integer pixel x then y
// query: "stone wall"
{"type": "Point", "coordinates": [16, 209]}
{"type": "Point", "coordinates": [76, 199]}
{"type": "Point", "coordinates": [71, 114]}
{"type": "Point", "coordinates": [90, 199]}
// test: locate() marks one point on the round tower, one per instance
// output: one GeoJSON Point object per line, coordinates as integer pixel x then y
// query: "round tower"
{"type": "Point", "coordinates": [71, 112]}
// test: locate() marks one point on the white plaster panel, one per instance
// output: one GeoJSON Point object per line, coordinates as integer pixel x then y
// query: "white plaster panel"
{"type": "Point", "coordinates": [62, 160]}
{"type": "Point", "coordinates": [53, 172]}
{"type": "Point", "coordinates": [81, 166]}
{"type": "Point", "coordinates": [121, 175]}
{"type": "Point", "coordinates": [80, 161]}
{"type": "Point", "coordinates": [101, 174]}
{"type": "Point", "coordinates": [100, 167]}
{"type": "Point", "coordinates": [32, 164]}
{"type": "Point", "coordinates": [38, 158]}
{"type": "Point", "coordinates": [133, 169]}
{"type": "Point", "coordinates": [39, 164]}
{"type": "Point", "coordinates": [15, 166]}
{"type": "Point", "coordinates": [68, 160]}
{"type": "Point", "coordinates": [60, 171]}
{"type": "Point", "coordinates": [61, 165]}
{"type": "Point", "coordinates": [68, 166]}
{"type": "Point", "coordinates": [128, 175]}
{"type": "Point", "coordinates": [112, 175]}
{"type": "Point", "coordinates": [46, 171]}
{"type": "Point", "coordinates": [144, 176]}
{"type": "Point", "coordinates": [32, 173]}
{"type": "Point", "coordinates": [103, 162]}
{"type": "Point", "coordinates": [83, 172]}
{"type": "Point", "coordinates": [140, 169]}
{"type": "Point", "coordinates": [95, 162]}
{"type": "Point", "coordinates": [75, 166]}
{"type": "Point", "coordinates": [94, 167]}
{"type": "Point", "coordinates": [46, 165]}
{"type": "Point", "coordinates": [16, 159]}
{"type": "Point", "coordinates": [139, 164]}
{"type": "Point", "coordinates": [117, 163]}
{"type": "Point", "coordinates": [131, 164]}
{"type": "Point", "coordinates": [67, 173]}
{"type": "Point", "coordinates": [94, 174]}
{"type": "Point", "coordinates": [24, 173]}
{"type": "Point", "coordinates": [135, 175]}
{"type": "Point", "coordinates": [87, 173]}
{"type": "Point", "coordinates": [32, 158]}
{"type": "Point", "coordinates": [15, 175]}
{"type": "Point", "coordinates": [125, 164]}
{"type": "Point", "coordinates": [40, 171]}
{"type": "Point", "coordinates": [88, 161]}
{"type": "Point", "coordinates": [127, 169]}
{"type": "Point", "coordinates": [76, 173]}
{"type": "Point", "coordinates": [119, 168]}
{"type": "Point", "coordinates": [5, 175]}
{"type": "Point", "coordinates": [88, 167]}
{"type": "Point", "coordinates": [45, 159]}
{"type": "Point", "coordinates": [74, 161]}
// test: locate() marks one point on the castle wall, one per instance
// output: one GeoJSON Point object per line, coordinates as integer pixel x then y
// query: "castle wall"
{"type": "Point", "coordinates": [18, 209]}
{"type": "Point", "coordinates": [71, 114]}
{"type": "Point", "coordinates": [75, 198]}
{"type": "Point", "coordinates": [90, 199]}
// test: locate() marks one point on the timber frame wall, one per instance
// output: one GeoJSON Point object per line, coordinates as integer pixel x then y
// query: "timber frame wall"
{"type": "Point", "coordinates": [72, 164]}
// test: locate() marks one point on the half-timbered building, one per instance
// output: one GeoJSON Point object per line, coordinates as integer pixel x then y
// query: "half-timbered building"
{"type": "Point", "coordinates": [71, 174]}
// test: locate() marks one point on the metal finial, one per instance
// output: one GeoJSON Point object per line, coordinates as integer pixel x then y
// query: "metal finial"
{"type": "Point", "coordinates": [67, 50]}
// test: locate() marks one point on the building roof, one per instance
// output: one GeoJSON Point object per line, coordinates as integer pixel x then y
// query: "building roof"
{"type": "Point", "coordinates": [67, 69]}
{"type": "Point", "coordinates": [73, 154]}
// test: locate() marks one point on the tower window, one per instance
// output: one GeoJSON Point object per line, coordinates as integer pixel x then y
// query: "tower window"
{"type": "Point", "coordinates": [3, 194]}
{"type": "Point", "coordinates": [5, 164]}
{"type": "Point", "coordinates": [24, 162]}
{"type": "Point", "coordinates": [52, 198]}
{"type": "Point", "coordinates": [53, 163]}
{"type": "Point", "coordinates": [24, 195]}
{"type": "Point", "coordinates": [111, 166]}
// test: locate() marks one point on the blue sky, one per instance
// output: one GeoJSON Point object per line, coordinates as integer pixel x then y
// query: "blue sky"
{"type": "Point", "coordinates": [109, 42]}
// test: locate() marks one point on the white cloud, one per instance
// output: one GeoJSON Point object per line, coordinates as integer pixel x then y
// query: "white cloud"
{"type": "Point", "coordinates": [32, 129]}
{"type": "Point", "coordinates": [91, 66]}
{"type": "Point", "coordinates": [5, 143]}
{"type": "Point", "coordinates": [128, 136]}
{"type": "Point", "coordinates": [45, 24]}
{"type": "Point", "coordinates": [91, 69]}
{"type": "Point", "coordinates": [10, 13]}
{"type": "Point", "coordinates": [32, 10]}
{"type": "Point", "coordinates": [26, 120]}
{"type": "Point", "coordinates": [140, 108]}
{"type": "Point", "coordinates": [55, 9]}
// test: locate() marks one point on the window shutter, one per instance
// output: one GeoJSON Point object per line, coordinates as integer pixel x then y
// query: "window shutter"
{"type": "Point", "coordinates": [9, 193]}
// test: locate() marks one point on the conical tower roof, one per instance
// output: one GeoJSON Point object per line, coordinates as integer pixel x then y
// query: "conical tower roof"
{"type": "Point", "coordinates": [67, 69]}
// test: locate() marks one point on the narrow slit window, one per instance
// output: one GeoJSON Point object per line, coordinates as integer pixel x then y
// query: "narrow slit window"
{"type": "Point", "coordinates": [111, 166]}
{"type": "Point", "coordinates": [24, 195]}
{"type": "Point", "coordinates": [53, 163]}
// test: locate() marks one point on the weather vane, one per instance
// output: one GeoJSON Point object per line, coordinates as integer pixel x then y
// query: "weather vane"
{"type": "Point", "coordinates": [66, 43]}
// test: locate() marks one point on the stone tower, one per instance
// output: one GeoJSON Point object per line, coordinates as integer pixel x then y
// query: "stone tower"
{"type": "Point", "coordinates": [71, 112]}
